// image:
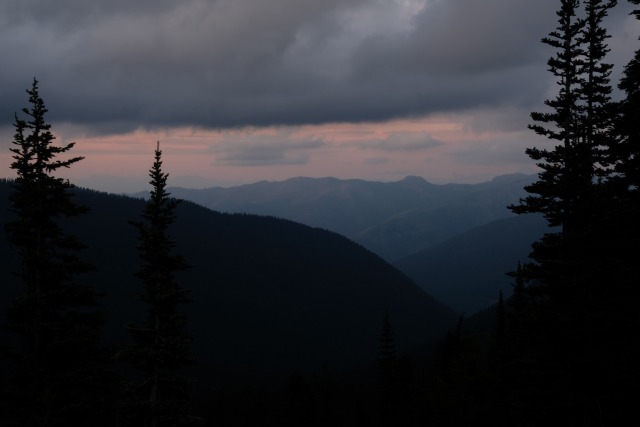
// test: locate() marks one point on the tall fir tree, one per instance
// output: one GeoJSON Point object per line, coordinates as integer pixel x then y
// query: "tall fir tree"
{"type": "Point", "coordinates": [387, 374]}
{"type": "Point", "coordinates": [160, 348]}
{"type": "Point", "coordinates": [556, 193]}
{"type": "Point", "coordinates": [627, 150]}
{"type": "Point", "coordinates": [624, 238]}
{"type": "Point", "coordinates": [572, 188]}
{"type": "Point", "coordinates": [55, 317]}
{"type": "Point", "coordinates": [625, 155]}
{"type": "Point", "coordinates": [569, 324]}
{"type": "Point", "coordinates": [387, 355]}
{"type": "Point", "coordinates": [598, 116]}
{"type": "Point", "coordinates": [580, 124]}
{"type": "Point", "coordinates": [598, 109]}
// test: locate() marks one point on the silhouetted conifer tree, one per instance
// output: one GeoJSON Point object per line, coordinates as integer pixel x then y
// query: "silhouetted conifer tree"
{"type": "Point", "coordinates": [387, 352]}
{"type": "Point", "coordinates": [566, 281]}
{"type": "Point", "coordinates": [516, 305]}
{"type": "Point", "coordinates": [568, 192]}
{"type": "Point", "coordinates": [500, 335]}
{"type": "Point", "coordinates": [623, 240]}
{"type": "Point", "coordinates": [161, 345]}
{"type": "Point", "coordinates": [625, 154]}
{"type": "Point", "coordinates": [54, 377]}
{"type": "Point", "coordinates": [387, 375]}
{"type": "Point", "coordinates": [626, 151]}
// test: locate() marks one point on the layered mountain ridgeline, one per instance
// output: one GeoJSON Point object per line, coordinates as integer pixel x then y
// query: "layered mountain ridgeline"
{"type": "Point", "coordinates": [468, 271]}
{"type": "Point", "coordinates": [268, 295]}
{"type": "Point", "coordinates": [393, 219]}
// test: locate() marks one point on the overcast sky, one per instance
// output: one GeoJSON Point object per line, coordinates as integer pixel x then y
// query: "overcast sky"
{"type": "Point", "coordinates": [243, 90]}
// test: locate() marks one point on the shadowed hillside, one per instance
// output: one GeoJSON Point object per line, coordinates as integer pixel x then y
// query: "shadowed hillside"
{"type": "Point", "coordinates": [468, 271]}
{"type": "Point", "coordinates": [268, 295]}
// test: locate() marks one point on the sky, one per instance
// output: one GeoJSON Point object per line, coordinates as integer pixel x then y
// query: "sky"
{"type": "Point", "coordinates": [239, 91]}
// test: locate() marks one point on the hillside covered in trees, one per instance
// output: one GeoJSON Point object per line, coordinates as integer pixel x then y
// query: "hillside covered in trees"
{"type": "Point", "coordinates": [267, 296]}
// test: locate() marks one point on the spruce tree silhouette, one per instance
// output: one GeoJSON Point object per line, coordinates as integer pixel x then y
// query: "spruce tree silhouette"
{"type": "Point", "coordinates": [53, 380]}
{"type": "Point", "coordinates": [160, 347]}
{"type": "Point", "coordinates": [625, 185]}
{"type": "Point", "coordinates": [566, 280]}
{"type": "Point", "coordinates": [626, 156]}
{"type": "Point", "coordinates": [623, 241]}
{"type": "Point", "coordinates": [565, 191]}
{"type": "Point", "coordinates": [387, 374]}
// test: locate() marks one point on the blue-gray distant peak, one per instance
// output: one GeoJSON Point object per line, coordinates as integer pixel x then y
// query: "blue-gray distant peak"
{"type": "Point", "coordinates": [393, 219]}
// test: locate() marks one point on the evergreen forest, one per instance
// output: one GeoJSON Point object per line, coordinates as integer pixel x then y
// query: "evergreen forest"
{"type": "Point", "coordinates": [123, 311]}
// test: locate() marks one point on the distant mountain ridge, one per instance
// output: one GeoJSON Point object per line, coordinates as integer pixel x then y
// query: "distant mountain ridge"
{"type": "Point", "coordinates": [393, 219]}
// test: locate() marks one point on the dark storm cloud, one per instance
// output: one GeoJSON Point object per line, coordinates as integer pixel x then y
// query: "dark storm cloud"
{"type": "Point", "coordinates": [466, 37]}
{"type": "Point", "coordinates": [228, 63]}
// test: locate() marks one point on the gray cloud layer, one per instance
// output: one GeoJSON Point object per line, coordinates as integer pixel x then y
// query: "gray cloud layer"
{"type": "Point", "coordinates": [121, 64]}
{"type": "Point", "coordinates": [265, 150]}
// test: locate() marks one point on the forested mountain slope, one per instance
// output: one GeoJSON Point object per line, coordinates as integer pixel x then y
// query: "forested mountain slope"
{"type": "Point", "coordinates": [468, 271]}
{"type": "Point", "coordinates": [268, 295]}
